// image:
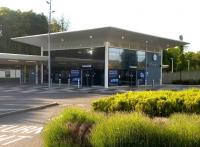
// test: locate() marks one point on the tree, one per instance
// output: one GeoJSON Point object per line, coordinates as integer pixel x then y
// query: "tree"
{"type": "Point", "coordinates": [171, 53]}
{"type": "Point", "coordinates": [64, 24]}
{"type": "Point", "coordinates": [59, 25]}
{"type": "Point", "coordinates": [55, 27]}
{"type": "Point", "coordinates": [17, 23]}
{"type": "Point", "coordinates": [180, 59]}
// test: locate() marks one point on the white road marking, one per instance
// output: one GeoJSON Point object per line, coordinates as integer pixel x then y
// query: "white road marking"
{"type": "Point", "coordinates": [13, 133]}
{"type": "Point", "coordinates": [18, 139]}
{"type": "Point", "coordinates": [9, 109]}
{"type": "Point", "coordinates": [5, 137]}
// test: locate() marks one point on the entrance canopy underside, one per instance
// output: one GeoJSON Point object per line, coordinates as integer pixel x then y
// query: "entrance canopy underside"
{"type": "Point", "coordinates": [97, 37]}
{"type": "Point", "coordinates": [6, 58]}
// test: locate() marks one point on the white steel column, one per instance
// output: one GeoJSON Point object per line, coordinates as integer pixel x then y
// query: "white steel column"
{"type": "Point", "coordinates": [41, 68]}
{"type": "Point", "coordinates": [36, 74]}
{"type": "Point", "coordinates": [25, 72]}
{"type": "Point", "coordinates": [106, 65]}
{"type": "Point", "coordinates": [161, 63]}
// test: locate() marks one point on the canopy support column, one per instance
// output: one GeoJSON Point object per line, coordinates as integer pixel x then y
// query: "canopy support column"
{"type": "Point", "coordinates": [106, 65]}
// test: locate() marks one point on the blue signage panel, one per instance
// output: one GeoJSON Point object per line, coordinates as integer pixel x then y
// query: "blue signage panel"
{"type": "Point", "coordinates": [113, 77]}
{"type": "Point", "coordinates": [75, 76]}
{"type": "Point", "coordinates": [141, 77]}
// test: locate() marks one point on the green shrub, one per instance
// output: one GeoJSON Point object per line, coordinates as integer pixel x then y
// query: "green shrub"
{"type": "Point", "coordinates": [124, 130]}
{"type": "Point", "coordinates": [137, 130]}
{"type": "Point", "coordinates": [121, 130]}
{"type": "Point", "coordinates": [186, 82]}
{"type": "Point", "coordinates": [70, 128]}
{"type": "Point", "coordinates": [153, 103]}
{"type": "Point", "coordinates": [183, 130]}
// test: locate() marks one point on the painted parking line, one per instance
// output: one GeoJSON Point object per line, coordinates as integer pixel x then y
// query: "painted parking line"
{"type": "Point", "coordinates": [10, 134]}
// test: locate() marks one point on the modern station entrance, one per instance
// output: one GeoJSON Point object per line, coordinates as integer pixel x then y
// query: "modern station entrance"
{"type": "Point", "coordinates": [103, 56]}
{"type": "Point", "coordinates": [85, 67]}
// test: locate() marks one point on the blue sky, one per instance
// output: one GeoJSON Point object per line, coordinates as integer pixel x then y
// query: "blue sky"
{"type": "Point", "coordinates": [166, 18]}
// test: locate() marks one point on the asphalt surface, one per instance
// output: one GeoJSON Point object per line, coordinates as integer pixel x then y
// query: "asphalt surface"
{"type": "Point", "coordinates": [24, 129]}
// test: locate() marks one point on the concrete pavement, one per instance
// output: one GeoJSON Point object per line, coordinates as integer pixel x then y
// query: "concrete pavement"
{"type": "Point", "coordinates": [23, 129]}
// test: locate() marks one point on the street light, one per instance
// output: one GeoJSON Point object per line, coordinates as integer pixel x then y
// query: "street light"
{"type": "Point", "coordinates": [1, 30]}
{"type": "Point", "coordinates": [172, 60]}
{"type": "Point", "coordinates": [49, 44]}
{"type": "Point", "coordinates": [188, 65]}
{"type": "Point", "coordinates": [146, 46]}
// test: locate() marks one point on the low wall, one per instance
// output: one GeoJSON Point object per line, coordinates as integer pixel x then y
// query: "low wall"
{"type": "Point", "coordinates": [9, 81]}
{"type": "Point", "coordinates": [168, 77]}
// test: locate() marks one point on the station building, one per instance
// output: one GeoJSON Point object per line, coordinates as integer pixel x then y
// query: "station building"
{"type": "Point", "coordinates": [103, 56]}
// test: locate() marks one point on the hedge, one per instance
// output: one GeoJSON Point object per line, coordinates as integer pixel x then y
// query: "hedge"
{"type": "Point", "coordinates": [186, 82]}
{"type": "Point", "coordinates": [153, 103]}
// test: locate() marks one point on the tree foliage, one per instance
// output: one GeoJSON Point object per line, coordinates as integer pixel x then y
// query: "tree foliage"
{"type": "Point", "coordinates": [17, 23]}
{"type": "Point", "coordinates": [59, 25]}
{"type": "Point", "coordinates": [180, 59]}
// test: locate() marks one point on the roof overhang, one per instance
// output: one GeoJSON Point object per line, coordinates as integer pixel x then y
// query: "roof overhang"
{"type": "Point", "coordinates": [21, 58]}
{"type": "Point", "coordinates": [97, 37]}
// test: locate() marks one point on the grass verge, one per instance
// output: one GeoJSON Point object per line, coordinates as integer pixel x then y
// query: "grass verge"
{"type": "Point", "coordinates": [77, 127]}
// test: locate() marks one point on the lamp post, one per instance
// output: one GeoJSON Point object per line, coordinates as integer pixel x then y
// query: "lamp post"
{"type": "Point", "coordinates": [49, 44]}
{"type": "Point", "coordinates": [172, 60]}
{"type": "Point", "coordinates": [1, 30]}
{"type": "Point", "coordinates": [188, 65]}
{"type": "Point", "coordinates": [146, 47]}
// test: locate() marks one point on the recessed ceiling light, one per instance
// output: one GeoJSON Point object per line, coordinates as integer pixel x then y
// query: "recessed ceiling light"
{"type": "Point", "coordinates": [31, 61]}
{"type": "Point", "coordinates": [13, 60]}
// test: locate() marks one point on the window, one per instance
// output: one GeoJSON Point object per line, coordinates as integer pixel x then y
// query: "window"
{"type": "Point", "coordinates": [141, 59]}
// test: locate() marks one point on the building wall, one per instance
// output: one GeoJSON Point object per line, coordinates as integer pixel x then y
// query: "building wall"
{"type": "Point", "coordinates": [153, 68]}
{"type": "Point", "coordinates": [122, 60]}
{"type": "Point", "coordinates": [168, 77]}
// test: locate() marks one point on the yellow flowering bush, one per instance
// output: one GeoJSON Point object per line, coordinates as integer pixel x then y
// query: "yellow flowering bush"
{"type": "Point", "coordinates": [153, 103]}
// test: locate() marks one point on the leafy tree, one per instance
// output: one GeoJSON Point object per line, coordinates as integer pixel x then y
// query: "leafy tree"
{"type": "Point", "coordinates": [180, 59]}
{"type": "Point", "coordinates": [59, 25]}
{"type": "Point", "coordinates": [171, 53]}
{"type": "Point", "coordinates": [17, 23]}
{"type": "Point", "coordinates": [64, 24]}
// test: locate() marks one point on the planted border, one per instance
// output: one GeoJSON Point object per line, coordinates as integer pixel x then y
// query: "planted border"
{"type": "Point", "coordinates": [153, 103]}
{"type": "Point", "coordinates": [80, 128]}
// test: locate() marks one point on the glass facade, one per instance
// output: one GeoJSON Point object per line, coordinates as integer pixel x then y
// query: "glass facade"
{"type": "Point", "coordinates": [124, 66]}
{"type": "Point", "coordinates": [83, 66]}
{"type": "Point", "coordinates": [86, 66]}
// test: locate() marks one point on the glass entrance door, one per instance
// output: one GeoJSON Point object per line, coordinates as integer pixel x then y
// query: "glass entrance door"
{"type": "Point", "coordinates": [132, 77]}
{"type": "Point", "coordinates": [87, 77]}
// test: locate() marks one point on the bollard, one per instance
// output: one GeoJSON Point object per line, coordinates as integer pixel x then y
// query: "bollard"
{"type": "Point", "coordinates": [145, 84]}
{"type": "Point", "coordinates": [20, 80]}
{"type": "Point", "coordinates": [152, 83]}
{"type": "Point", "coordinates": [78, 83]}
{"type": "Point", "coordinates": [51, 81]}
{"type": "Point", "coordinates": [59, 83]}
{"type": "Point", "coordinates": [138, 83]}
{"type": "Point", "coordinates": [69, 82]}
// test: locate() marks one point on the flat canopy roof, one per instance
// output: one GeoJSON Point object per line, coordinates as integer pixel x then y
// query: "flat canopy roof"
{"type": "Point", "coordinates": [21, 58]}
{"type": "Point", "coordinates": [97, 38]}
